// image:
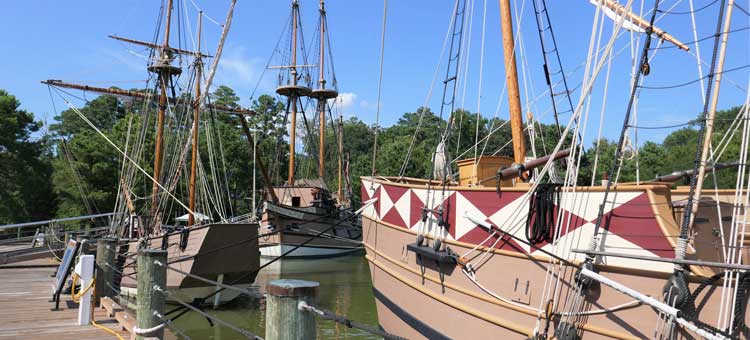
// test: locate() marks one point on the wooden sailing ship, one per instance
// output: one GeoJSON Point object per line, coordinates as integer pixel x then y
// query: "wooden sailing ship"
{"type": "Point", "coordinates": [470, 259]}
{"type": "Point", "coordinates": [305, 208]}
{"type": "Point", "coordinates": [225, 251]}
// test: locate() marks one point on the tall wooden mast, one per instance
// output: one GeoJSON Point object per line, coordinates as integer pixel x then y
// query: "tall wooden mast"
{"type": "Point", "coordinates": [196, 116]}
{"type": "Point", "coordinates": [710, 116]}
{"type": "Point", "coordinates": [292, 90]}
{"type": "Point", "coordinates": [293, 94]}
{"type": "Point", "coordinates": [322, 94]}
{"type": "Point", "coordinates": [341, 157]}
{"type": "Point", "coordinates": [164, 71]}
{"type": "Point", "coordinates": [511, 78]}
{"type": "Point", "coordinates": [322, 85]}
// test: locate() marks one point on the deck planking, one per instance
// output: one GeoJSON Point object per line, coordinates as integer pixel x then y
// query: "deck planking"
{"type": "Point", "coordinates": [25, 311]}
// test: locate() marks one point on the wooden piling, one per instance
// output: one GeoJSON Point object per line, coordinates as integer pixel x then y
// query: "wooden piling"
{"type": "Point", "coordinates": [284, 319]}
{"type": "Point", "coordinates": [105, 261]}
{"type": "Point", "coordinates": [150, 276]}
{"type": "Point", "coordinates": [84, 244]}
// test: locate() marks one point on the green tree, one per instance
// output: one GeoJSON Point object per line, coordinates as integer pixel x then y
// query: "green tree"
{"type": "Point", "coordinates": [270, 123]}
{"type": "Point", "coordinates": [25, 188]}
{"type": "Point", "coordinates": [86, 169]}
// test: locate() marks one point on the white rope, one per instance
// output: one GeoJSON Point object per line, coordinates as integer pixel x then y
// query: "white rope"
{"type": "Point", "coordinates": [464, 76]}
{"type": "Point", "coordinates": [526, 84]}
{"type": "Point", "coordinates": [661, 306]}
{"type": "Point", "coordinates": [219, 50]}
{"type": "Point", "coordinates": [149, 331]}
{"type": "Point", "coordinates": [479, 90]}
{"type": "Point", "coordinates": [612, 309]}
{"type": "Point", "coordinates": [586, 90]}
{"type": "Point", "coordinates": [206, 16]}
{"type": "Point", "coordinates": [741, 198]}
{"type": "Point", "coordinates": [429, 94]}
{"type": "Point", "coordinates": [380, 86]}
{"type": "Point", "coordinates": [505, 83]}
{"type": "Point", "coordinates": [85, 119]}
{"type": "Point", "coordinates": [190, 30]}
{"type": "Point", "coordinates": [697, 51]}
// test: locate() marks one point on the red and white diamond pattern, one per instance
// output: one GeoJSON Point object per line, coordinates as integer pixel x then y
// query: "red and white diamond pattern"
{"type": "Point", "coordinates": [633, 227]}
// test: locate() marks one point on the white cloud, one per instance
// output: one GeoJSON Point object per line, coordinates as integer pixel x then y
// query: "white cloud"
{"type": "Point", "coordinates": [134, 60]}
{"type": "Point", "coordinates": [242, 72]}
{"type": "Point", "coordinates": [345, 103]}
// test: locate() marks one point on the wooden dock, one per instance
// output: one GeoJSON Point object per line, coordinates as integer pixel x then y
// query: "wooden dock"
{"type": "Point", "coordinates": [25, 289]}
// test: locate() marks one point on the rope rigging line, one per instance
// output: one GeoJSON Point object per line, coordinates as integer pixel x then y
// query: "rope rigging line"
{"type": "Point", "coordinates": [618, 150]}
{"type": "Point", "coordinates": [85, 119]}
{"type": "Point", "coordinates": [666, 87]}
{"type": "Point", "coordinates": [270, 58]}
{"type": "Point", "coordinates": [744, 198]}
{"type": "Point", "coordinates": [205, 280]}
{"type": "Point", "coordinates": [170, 325]}
{"type": "Point", "coordinates": [328, 315]}
{"type": "Point", "coordinates": [186, 305]}
{"type": "Point", "coordinates": [380, 88]}
{"type": "Point", "coordinates": [697, 160]}
{"type": "Point", "coordinates": [692, 122]}
{"type": "Point", "coordinates": [590, 76]}
{"type": "Point", "coordinates": [692, 11]}
{"type": "Point", "coordinates": [540, 221]}
{"type": "Point", "coordinates": [463, 74]}
{"type": "Point", "coordinates": [541, 29]}
{"type": "Point", "coordinates": [234, 244]}
{"type": "Point", "coordinates": [254, 272]}
{"type": "Point", "coordinates": [745, 28]}
{"type": "Point", "coordinates": [518, 44]}
{"type": "Point", "coordinates": [516, 238]}
{"type": "Point", "coordinates": [428, 97]}
{"type": "Point", "coordinates": [440, 155]}
{"type": "Point", "coordinates": [586, 89]}
{"type": "Point", "coordinates": [742, 9]}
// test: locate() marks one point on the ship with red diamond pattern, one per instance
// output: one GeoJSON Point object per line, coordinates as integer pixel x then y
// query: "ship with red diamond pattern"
{"type": "Point", "coordinates": [504, 251]}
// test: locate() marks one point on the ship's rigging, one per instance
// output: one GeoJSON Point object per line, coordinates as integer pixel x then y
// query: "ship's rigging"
{"type": "Point", "coordinates": [565, 298]}
{"type": "Point", "coordinates": [178, 168]}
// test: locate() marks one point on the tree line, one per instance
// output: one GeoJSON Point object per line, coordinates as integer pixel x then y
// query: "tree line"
{"type": "Point", "coordinates": [68, 170]}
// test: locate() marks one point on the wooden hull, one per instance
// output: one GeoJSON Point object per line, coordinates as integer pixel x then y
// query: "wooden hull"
{"type": "Point", "coordinates": [276, 250]}
{"type": "Point", "coordinates": [343, 239]}
{"type": "Point", "coordinates": [219, 252]}
{"type": "Point", "coordinates": [418, 298]}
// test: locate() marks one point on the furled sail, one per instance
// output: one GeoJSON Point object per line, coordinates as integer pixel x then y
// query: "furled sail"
{"type": "Point", "coordinates": [626, 24]}
{"type": "Point", "coordinates": [441, 168]}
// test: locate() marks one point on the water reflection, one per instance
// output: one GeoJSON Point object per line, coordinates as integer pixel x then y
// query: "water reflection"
{"type": "Point", "coordinates": [345, 288]}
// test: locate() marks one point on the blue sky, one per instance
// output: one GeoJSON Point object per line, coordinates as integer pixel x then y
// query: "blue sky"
{"type": "Point", "coordinates": [46, 39]}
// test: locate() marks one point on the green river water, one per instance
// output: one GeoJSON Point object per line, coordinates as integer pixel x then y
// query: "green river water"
{"type": "Point", "coordinates": [345, 288]}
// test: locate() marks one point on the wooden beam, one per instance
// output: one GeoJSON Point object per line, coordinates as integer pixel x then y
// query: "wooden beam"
{"type": "Point", "coordinates": [152, 45]}
{"type": "Point", "coordinates": [642, 23]}
{"type": "Point", "coordinates": [196, 119]}
{"type": "Point", "coordinates": [266, 179]}
{"type": "Point", "coordinates": [136, 94]}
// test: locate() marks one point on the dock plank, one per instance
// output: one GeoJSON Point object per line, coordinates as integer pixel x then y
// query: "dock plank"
{"type": "Point", "coordinates": [25, 311]}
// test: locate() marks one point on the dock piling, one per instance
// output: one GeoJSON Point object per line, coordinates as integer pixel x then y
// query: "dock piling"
{"type": "Point", "coordinates": [152, 276]}
{"type": "Point", "coordinates": [105, 261]}
{"type": "Point", "coordinates": [284, 319]}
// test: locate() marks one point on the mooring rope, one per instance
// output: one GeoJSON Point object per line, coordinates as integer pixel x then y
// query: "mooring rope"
{"type": "Point", "coordinates": [184, 304]}
{"type": "Point", "coordinates": [328, 315]}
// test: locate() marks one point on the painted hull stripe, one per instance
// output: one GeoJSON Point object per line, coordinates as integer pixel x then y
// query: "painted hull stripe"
{"type": "Point", "coordinates": [418, 325]}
